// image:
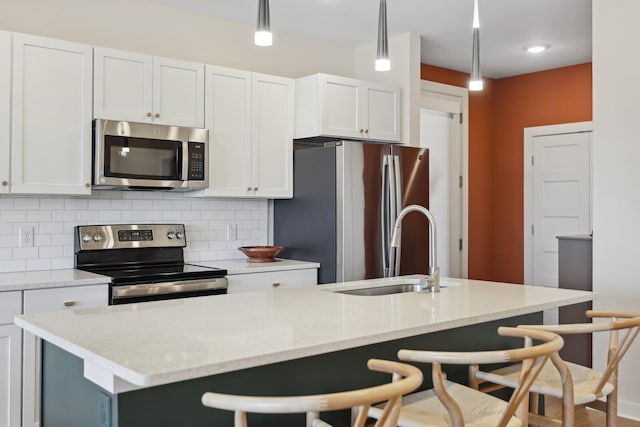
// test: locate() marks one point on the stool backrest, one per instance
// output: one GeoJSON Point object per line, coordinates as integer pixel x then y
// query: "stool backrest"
{"type": "Point", "coordinates": [627, 321]}
{"type": "Point", "coordinates": [533, 357]}
{"type": "Point", "coordinates": [405, 379]}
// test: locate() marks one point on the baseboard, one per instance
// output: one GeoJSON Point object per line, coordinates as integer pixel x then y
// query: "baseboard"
{"type": "Point", "coordinates": [630, 410]}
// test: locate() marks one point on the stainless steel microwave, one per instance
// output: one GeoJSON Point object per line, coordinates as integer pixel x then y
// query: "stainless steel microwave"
{"type": "Point", "coordinates": [143, 156]}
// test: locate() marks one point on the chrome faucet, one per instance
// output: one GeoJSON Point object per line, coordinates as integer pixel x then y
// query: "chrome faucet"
{"type": "Point", "coordinates": [433, 280]}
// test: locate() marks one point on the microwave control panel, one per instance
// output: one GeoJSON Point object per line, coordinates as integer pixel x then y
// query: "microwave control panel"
{"type": "Point", "coordinates": [196, 161]}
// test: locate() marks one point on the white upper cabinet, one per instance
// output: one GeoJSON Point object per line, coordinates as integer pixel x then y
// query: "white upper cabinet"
{"type": "Point", "coordinates": [5, 108]}
{"type": "Point", "coordinates": [51, 116]}
{"type": "Point", "coordinates": [272, 119]}
{"type": "Point", "coordinates": [141, 88]}
{"type": "Point", "coordinates": [250, 121]}
{"type": "Point", "coordinates": [341, 107]}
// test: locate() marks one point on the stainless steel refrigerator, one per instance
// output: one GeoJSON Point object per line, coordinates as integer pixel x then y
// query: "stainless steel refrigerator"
{"type": "Point", "coordinates": [347, 196]}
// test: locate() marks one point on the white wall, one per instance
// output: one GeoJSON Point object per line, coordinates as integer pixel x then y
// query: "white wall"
{"type": "Point", "coordinates": [616, 176]}
{"type": "Point", "coordinates": [146, 27]}
{"type": "Point", "coordinates": [404, 53]}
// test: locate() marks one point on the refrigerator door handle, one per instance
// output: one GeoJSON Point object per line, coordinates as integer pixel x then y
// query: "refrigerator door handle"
{"type": "Point", "coordinates": [384, 215]}
{"type": "Point", "coordinates": [393, 202]}
{"type": "Point", "coordinates": [397, 208]}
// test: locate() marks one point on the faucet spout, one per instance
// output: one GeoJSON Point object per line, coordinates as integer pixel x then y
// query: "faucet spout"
{"type": "Point", "coordinates": [434, 271]}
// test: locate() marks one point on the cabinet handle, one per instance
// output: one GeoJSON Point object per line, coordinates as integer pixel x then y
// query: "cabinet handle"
{"type": "Point", "coordinates": [255, 188]}
{"type": "Point", "coordinates": [276, 284]}
{"type": "Point", "coordinates": [149, 114]}
{"type": "Point", "coordinates": [361, 130]}
{"type": "Point", "coordinates": [69, 303]}
{"type": "Point", "coordinates": [366, 131]}
{"type": "Point", "coordinates": [87, 184]}
{"type": "Point", "coordinates": [157, 115]}
{"type": "Point", "coordinates": [5, 183]}
{"type": "Point", "coordinates": [248, 188]}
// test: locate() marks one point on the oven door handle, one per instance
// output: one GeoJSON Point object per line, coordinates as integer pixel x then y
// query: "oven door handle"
{"type": "Point", "coordinates": [164, 288]}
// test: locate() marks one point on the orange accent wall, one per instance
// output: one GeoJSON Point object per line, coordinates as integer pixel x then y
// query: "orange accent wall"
{"type": "Point", "coordinates": [497, 118]}
{"type": "Point", "coordinates": [562, 95]}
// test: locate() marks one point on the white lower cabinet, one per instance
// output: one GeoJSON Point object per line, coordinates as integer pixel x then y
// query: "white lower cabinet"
{"type": "Point", "coordinates": [10, 359]}
{"type": "Point", "coordinates": [40, 300]}
{"type": "Point", "coordinates": [272, 280]}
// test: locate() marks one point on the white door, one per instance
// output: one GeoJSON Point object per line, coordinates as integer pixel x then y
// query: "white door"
{"type": "Point", "coordinates": [5, 106]}
{"type": "Point", "coordinates": [178, 92]}
{"type": "Point", "coordinates": [561, 177]}
{"type": "Point", "coordinates": [272, 100]}
{"type": "Point", "coordinates": [51, 116]}
{"type": "Point", "coordinates": [122, 85]}
{"type": "Point", "coordinates": [440, 133]}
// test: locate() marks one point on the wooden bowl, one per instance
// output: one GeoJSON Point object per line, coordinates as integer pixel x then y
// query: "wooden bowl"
{"type": "Point", "coordinates": [261, 253]}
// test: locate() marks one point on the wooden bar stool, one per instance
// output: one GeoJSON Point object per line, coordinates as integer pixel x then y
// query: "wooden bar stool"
{"type": "Point", "coordinates": [405, 379]}
{"type": "Point", "coordinates": [456, 405]}
{"type": "Point", "coordinates": [575, 384]}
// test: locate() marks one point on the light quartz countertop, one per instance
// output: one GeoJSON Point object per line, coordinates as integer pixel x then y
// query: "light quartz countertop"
{"type": "Point", "coordinates": [242, 266]}
{"type": "Point", "coordinates": [26, 280]}
{"type": "Point", "coordinates": [135, 346]}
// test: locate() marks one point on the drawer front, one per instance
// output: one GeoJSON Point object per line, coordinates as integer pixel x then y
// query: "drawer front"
{"type": "Point", "coordinates": [272, 280]}
{"type": "Point", "coordinates": [10, 305]}
{"type": "Point", "coordinates": [55, 299]}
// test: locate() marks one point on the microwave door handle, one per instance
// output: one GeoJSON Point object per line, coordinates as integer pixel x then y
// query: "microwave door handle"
{"type": "Point", "coordinates": [185, 161]}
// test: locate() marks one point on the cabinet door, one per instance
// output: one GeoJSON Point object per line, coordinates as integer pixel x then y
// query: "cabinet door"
{"type": "Point", "coordinates": [5, 105]}
{"type": "Point", "coordinates": [381, 112]}
{"type": "Point", "coordinates": [272, 136]}
{"type": "Point", "coordinates": [51, 116]}
{"type": "Point", "coordinates": [41, 300]}
{"type": "Point", "coordinates": [341, 98]}
{"type": "Point", "coordinates": [122, 85]}
{"type": "Point", "coordinates": [178, 92]}
{"type": "Point", "coordinates": [10, 361]}
{"type": "Point", "coordinates": [228, 118]}
{"type": "Point", "coordinates": [272, 280]}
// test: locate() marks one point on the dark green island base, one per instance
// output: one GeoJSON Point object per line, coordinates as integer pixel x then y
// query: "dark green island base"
{"type": "Point", "coordinates": [70, 400]}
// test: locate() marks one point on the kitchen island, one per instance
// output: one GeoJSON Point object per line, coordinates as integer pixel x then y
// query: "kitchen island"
{"type": "Point", "coordinates": [147, 364]}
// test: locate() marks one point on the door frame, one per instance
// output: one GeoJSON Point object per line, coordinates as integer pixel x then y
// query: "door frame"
{"type": "Point", "coordinates": [529, 134]}
{"type": "Point", "coordinates": [455, 100]}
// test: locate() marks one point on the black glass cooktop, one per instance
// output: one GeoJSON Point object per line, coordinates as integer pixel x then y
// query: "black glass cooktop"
{"type": "Point", "coordinates": [151, 273]}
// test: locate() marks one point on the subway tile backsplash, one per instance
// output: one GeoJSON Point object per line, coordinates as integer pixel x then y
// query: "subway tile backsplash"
{"type": "Point", "coordinates": [53, 218]}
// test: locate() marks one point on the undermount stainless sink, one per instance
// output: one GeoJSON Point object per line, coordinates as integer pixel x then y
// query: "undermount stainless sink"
{"type": "Point", "coordinates": [395, 288]}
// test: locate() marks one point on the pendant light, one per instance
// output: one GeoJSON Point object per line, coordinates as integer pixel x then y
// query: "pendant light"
{"type": "Point", "coordinates": [475, 83]}
{"type": "Point", "coordinates": [263, 30]}
{"type": "Point", "coordinates": [382, 62]}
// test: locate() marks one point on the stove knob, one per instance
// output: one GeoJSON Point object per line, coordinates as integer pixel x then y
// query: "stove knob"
{"type": "Point", "coordinates": [97, 237]}
{"type": "Point", "coordinates": [86, 237]}
{"type": "Point", "coordinates": [179, 235]}
{"type": "Point", "coordinates": [171, 235]}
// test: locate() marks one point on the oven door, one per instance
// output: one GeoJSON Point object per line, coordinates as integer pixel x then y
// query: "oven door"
{"type": "Point", "coordinates": [143, 292]}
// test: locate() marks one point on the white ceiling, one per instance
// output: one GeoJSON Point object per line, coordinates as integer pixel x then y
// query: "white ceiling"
{"type": "Point", "coordinates": [506, 26]}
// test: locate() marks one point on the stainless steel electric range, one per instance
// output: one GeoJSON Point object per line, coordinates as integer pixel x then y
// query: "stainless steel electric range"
{"type": "Point", "coordinates": [145, 262]}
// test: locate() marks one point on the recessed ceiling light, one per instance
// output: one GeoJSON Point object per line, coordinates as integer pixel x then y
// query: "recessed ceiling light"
{"type": "Point", "coordinates": [536, 48]}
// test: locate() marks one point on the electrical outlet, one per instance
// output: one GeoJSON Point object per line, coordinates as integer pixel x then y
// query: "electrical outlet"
{"type": "Point", "coordinates": [26, 237]}
{"type": "Point", "coordinates": [232, 231]}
